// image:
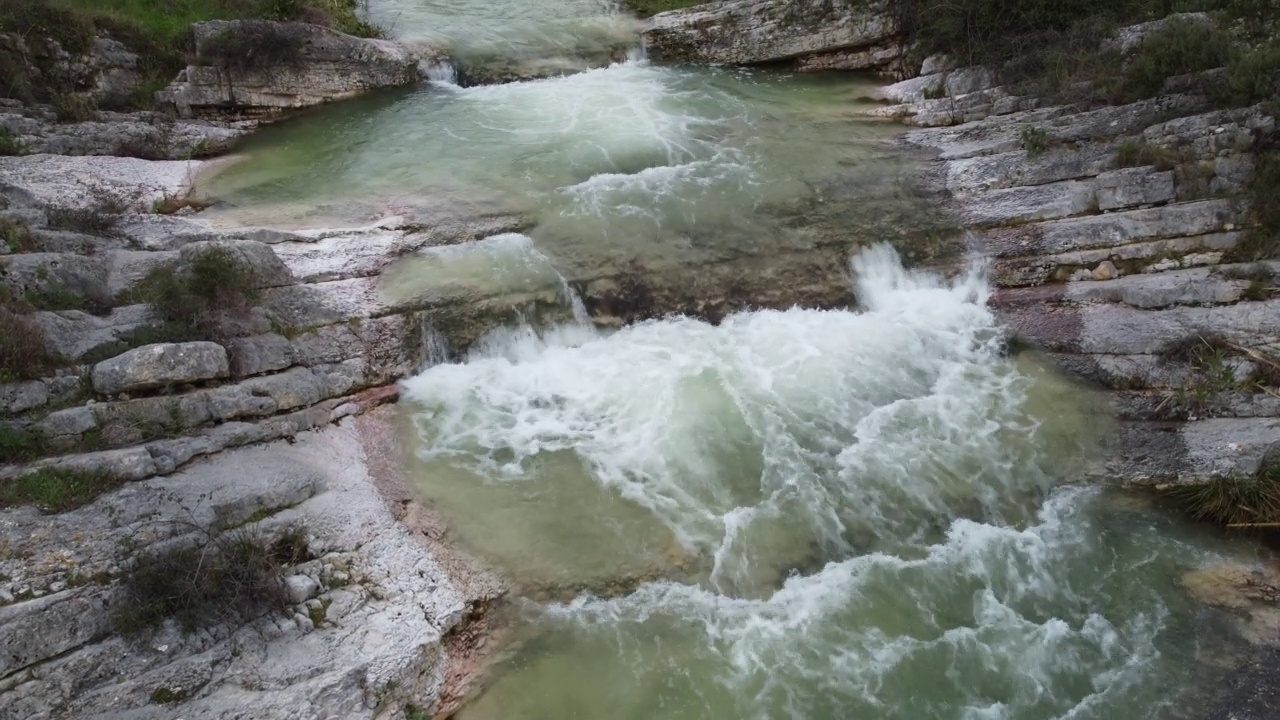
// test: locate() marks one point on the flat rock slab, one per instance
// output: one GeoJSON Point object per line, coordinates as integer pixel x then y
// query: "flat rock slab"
{"type": "Point", "coordinates": [1194, 452]}
{"type": "Point", "coordinates": [384, 601]}
{"type": "Point", "coordinates": [155, 366]}
{"type": "Point", "coordinates": [75, 182]}
{"type": "Point", "coordinates": [737, 32]}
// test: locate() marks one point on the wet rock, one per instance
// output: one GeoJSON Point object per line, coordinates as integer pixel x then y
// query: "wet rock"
{"type": "Point", "coordinates": [739, 32]}
{"type": "Point", "coordinates": [301, 65]}
{"type": "Point", "coordinates": [153, 366]}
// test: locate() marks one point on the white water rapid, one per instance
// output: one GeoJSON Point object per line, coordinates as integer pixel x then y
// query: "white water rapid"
{"type": "Point", "coordinates": [856, 511]}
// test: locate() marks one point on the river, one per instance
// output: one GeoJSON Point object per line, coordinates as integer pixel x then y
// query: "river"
{"type": "Point", "coordinates": [865, 512]}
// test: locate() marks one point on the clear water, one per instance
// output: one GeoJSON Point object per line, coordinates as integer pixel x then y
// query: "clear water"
{"type": "Point", "coordinates": [792, 514]}
{"type": "Point", "coordinates": [629, 163]}
{"type": "Point", "coordinates": [807, 514]}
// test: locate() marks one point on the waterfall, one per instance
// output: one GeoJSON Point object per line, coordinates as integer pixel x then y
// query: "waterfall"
{"type": "Point", "coordinates": [434, 345]}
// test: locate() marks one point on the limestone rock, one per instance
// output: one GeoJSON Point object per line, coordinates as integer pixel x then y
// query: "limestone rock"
{"type": "Point", "coordinates": [307, 65]}
{"type": "Point", "coordinates": [153, 366]}
{"type": "Point", "coordinates": [74, 182]}
{"type": "Point", "coordinates": [300, 588]}
{"type": "Point", "coordinates": [739, 32]}
{"type": "Point", "coordinates": [71, 421]}
{"type": "Point", "coordinates": [17, 397]}
{"type": "Point", "coordinates": [268, 269]}
{"type": "Point", "coordinates": [258, 354]}
{"type": "Point", "coordinates": [73, 333]}
{"type": "Point", "coordinates": [1132, 187]}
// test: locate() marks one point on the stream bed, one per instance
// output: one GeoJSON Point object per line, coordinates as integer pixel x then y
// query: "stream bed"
{"type": "Point", "coordinates": [868, 512]}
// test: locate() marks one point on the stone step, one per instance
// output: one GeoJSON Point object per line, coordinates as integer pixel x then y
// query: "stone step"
{"type": "Point", "coordinates": [1193, 452]}
{"type": "Point", "coordinates": [1120, 330]}
{"type": "Point", "coordinates": [1218, 285]}
{"type": "Point", "coordinates": [1115, 229]}
{"type": "Point", "coordinates": [1143, 257]}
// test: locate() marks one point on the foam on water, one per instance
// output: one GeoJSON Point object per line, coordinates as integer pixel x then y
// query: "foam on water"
{"type": "Point", "coordinates": [865, 496]}
{"type": "Point", "coordinates": [868, 428]}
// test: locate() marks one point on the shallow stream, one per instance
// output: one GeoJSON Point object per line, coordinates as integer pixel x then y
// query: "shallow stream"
{"type": "Point", "coordinates": [861, 513]}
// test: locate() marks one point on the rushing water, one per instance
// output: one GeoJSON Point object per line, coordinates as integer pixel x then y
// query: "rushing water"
{"type": "Point", "coordinates": [806, 514]}
{"type": "Point", "coordinates": [809, 514]}
{"type": "Point", "coordinates": [628, 163]}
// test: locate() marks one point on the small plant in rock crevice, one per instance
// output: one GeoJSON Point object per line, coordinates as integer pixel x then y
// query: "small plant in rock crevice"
{"type": "Point", "coordinates": [1135, 153]}
{"type": "Point", "coordinates": [16, 235]}
{"type": "Point", "coordinates": [55, 490]}
{"type": "Point", "coordinates": [10, 144]}
{"type": "Point", "coordinates": [1246, 501]}
{"type": "Point", "coordinates": [24, 351]}
{"type": "Point", "coordinates": [224, 576]}
{"type": "Point", "coordinates": [1035, 140]}
{"type": "Point", "coordinates": [214, 286]}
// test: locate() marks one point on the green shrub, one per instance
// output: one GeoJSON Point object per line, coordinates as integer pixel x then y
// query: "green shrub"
{"type": "Point", "coordinates": [94, 221]}
{"type": "Point", "coordinates": [35, 19]}
{"type": "Point", "coordinates": [75, 108]}
{"type": "Point", "coordinates": [1134, 153]}
{"type": "Point", "coordinates": [1253, 76]}
{"type": "Point", "coordinates": [1035, 140]}
{"type": "Point", "coordinates": [1234, 501]}
{"type": "Point", "coordinates": [646, 8]}
{"type": "Point", "coordinates": [24, 354]}
{"type": "Point", "coordinates": [16, 235]}
{"type": "Point", "coordinates": [56, 297]}
{"type": "Point", "coordinates": [1180, 47]}
{"type": "Point", "coordinates": [253, 46]}
{"type": "Point", "coordinates": [10, 144]}
{"type": "Point", "coordinates": [229, 576]}
{"type": "Point", "coordinates": [214, 286]}
{"type": "Point", "coordinates": [21, 444]}
{"type": "Point", "coordinates": [55, 490]}
{"type": "Point", "coordinates": [1262, 237]}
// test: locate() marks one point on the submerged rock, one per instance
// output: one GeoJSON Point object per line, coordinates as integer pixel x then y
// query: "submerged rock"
{"type": "Point", "coordinates": [249, 68]}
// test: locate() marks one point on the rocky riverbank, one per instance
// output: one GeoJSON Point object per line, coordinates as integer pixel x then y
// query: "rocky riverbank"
{"type": "Point", "coordinates": [1116, 236]}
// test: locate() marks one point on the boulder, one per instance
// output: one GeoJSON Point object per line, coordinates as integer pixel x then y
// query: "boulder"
{"type": "Point", "coordinates": [153, 366]}
{"type": "Point", "coordinates": [252, 68]}
{"type": "Point", "coordinates": [17, 397]}
{"type": "Point", "coordinates": [268, 270]}
{"type": "Point", "coordinates": [742, 32]}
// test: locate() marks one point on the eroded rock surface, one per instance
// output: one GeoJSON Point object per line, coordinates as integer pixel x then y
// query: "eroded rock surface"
{"type": "Point", "coordinates": [1134, 278]}
{"type": "Point", "coordinates": [361, 639]}
{"type": "Point", "coordinates": [815, 34]}
{"type": "Point", "coordinates": [249, 68]}
{"type": "Point", "coordinates": [160, 365]}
